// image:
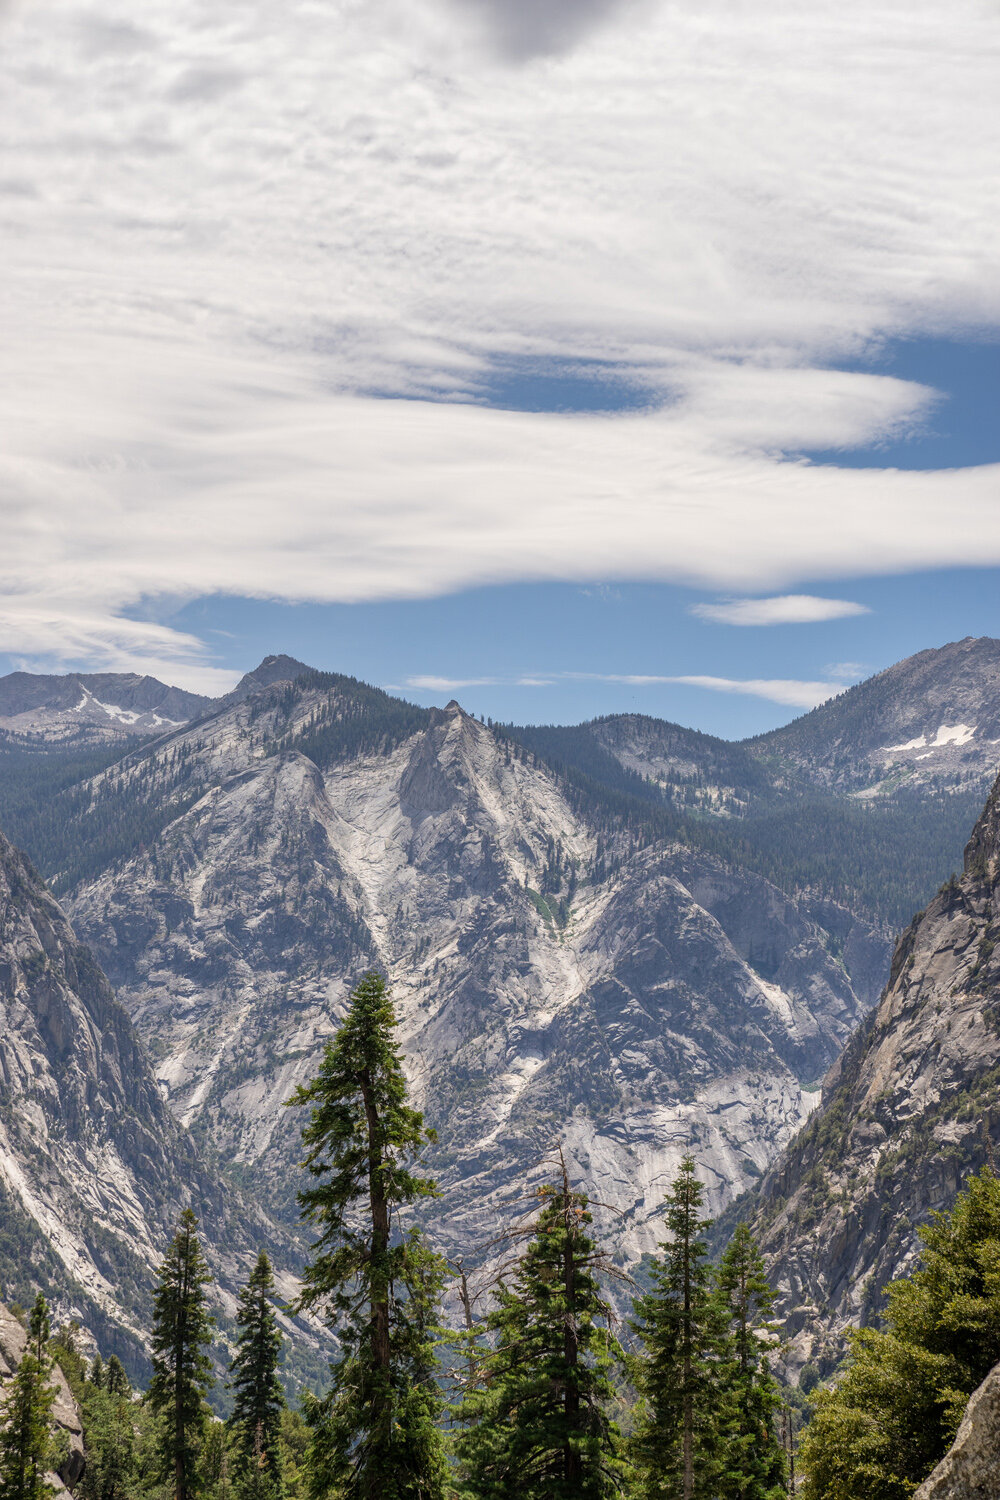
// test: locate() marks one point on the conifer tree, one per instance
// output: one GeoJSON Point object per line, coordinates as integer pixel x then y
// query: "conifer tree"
{"type": "Point", "coordinates": [680, 1326]}
{"type": "Point", "coordinates": [259, 1399]}
{"type": "Point", "coordinates": [881, 1429]}
{"type": "Point", "coordinates": [541, 1429]}
{"type": "Point", "coordinates": [26, 1438]}
{"type": "Point", "coordinates": [752, 1465]}
{"type": "Point", "coordinates": [374, 1436]}
{"type": "Point", "coordinates": [182, 1328]}
{"type": "Point", "coordinates": [109, 1427]}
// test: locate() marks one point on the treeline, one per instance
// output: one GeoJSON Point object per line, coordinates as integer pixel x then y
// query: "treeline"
{"type": "Point", "coordinates": [540, 1393]}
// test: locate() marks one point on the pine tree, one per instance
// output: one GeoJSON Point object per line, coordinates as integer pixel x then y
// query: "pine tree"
{"type": "Point", "coordinates": [541, 1430]}
{"type": "Point", "coordinates": [752, 1459]}
{"type": "Point", "coordinates": [679, 1324]}
{"type": "Point", "coordinates": [374, 1436]}
{"type": "Point", "coordinates": [259, 1399]}
{"type": "Point", "coordinates": [26, 1435]}
{"type": "Point", "coordinates": [182, 1328]}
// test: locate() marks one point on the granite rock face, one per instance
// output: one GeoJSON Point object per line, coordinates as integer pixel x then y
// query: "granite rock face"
{"type": "Point", "coordinates": [93, 1167]}
{"type": "Point", "coordinates": [970, 1470]}
{"type": "Point", "coordinates": [639, 999]}
{"type": "Point", "coordinates": [911, 1107]}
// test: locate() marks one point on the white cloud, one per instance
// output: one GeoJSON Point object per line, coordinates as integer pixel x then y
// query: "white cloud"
{"type": "Point", "coordinates": [791, 692]}
{"type": "Point", "coordinates": [228, 225]}
{"type": "Point", "coordinates": [788, 691]}
{"type": "Point", "coordinates": [432, 684]}
{"type": "Point", "coordinates": [782, 609]}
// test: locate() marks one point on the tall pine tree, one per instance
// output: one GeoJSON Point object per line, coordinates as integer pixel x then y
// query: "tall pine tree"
{"type": "Point", "coordinates": [182, 1371]}
{"type": "Point", "coordinates": [26, 1435]}
{"type": "Point", "coordinates": [681, 1327]}
{"type": "Point", "coordinates": [259, 1399]}
{"type": "Point", "coordinates": [541, 1429]}
{"type": "Point", "coordinates": [752, 1460]}
{"type": "Point", "coordinates": [375, 1434]}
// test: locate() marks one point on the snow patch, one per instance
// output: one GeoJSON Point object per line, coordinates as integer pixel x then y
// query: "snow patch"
{"type": "Point", "coordinates": [947, 734]}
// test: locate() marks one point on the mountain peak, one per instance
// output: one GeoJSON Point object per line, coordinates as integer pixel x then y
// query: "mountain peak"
{"type": "Point", "coordinates": [272, 669]}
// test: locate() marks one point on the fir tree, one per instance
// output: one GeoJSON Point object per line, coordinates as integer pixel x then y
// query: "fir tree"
{"type": "Point", "coordinates": [374, 1435]}
{"type": "Point", "coordinates": [259, 1399]}
{"type": "Point", "coordinates": [680, 1326]}
{"type": "Point", "coordinates": [26, 1436]}
{"type": "Point", "coordinates": [752, 1459]}
{"type": "Point", "coordinates": [182, 1328]}
{"type": "Point", "coordinates": [541, 1429]}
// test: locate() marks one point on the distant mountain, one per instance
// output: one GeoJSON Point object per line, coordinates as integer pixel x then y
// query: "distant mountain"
{"type": "Point", "coordinates": [930, 722]}
{"type": "Point", "coordinates": [93, 1168]}
{"type": "Point", "coordinates": [92, 708]}
{"type": "Point", "coordinates": [236, 878]}
{"type": "Point", "coordinates": [643, 937]}
{"type": "Point", "coordinates": [909, 1110]}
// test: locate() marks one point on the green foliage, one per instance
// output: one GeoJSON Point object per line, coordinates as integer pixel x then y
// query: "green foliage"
{"type": "Point", "coordinates": [880, 1431]}
{"type": "Point", "coordinates": [681, 1325]}
{"type": "Point", "coordinates": [110, 1435]}
{"type": "Point", "coordinates": [259, 1399]}
{"type": "Point", "coordinates": [752, 1461]}
{"type": "Point", "coordinates": [26, 1434]}
{"type": "Point", "coordinates": [374, 1435]}
{"type": "Point", "coordinates": [540, 1428]}
{"type": "Point", "coordinates": [182, 1329]}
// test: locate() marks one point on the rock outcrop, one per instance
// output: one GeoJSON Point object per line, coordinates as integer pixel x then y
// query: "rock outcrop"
{"type": "Point", "coordinates": [970, 1470]}
{"type": "Point", "coordinates": [911, 1107]}
{"type": "Point", "coordinates": [65, 1412]}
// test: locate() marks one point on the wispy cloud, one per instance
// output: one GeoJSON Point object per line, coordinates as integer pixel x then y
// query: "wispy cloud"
{"type": "Point", "coordinates": [222, 238]}
{"type": "Point", "coordinates": [780, 609]}
{"type": "Point", "coordinates": [790, 692]}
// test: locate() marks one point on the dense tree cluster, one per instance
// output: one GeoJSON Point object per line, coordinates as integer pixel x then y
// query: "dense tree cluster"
{"type": "Point", "coordinates": [545, 1396]}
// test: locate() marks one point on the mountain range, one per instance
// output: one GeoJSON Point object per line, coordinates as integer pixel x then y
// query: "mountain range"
{"type": "Point", "coordinates": [625, 933]}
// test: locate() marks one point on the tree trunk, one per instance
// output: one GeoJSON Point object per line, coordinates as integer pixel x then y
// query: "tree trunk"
{"type": "Point", "coordinates": [571, 1350]}
{"type": "Point", "coordinates": [688, 1403]}
{"type": "Point", "coordinates": [380, 1231]}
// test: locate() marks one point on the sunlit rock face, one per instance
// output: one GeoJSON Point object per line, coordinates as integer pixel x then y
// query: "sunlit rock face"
{"type": "Point", "coordinates": [94, 1169]}
{"type": "Point", "coordinates": [911, 1108]}
{"type": "Point", "coordinates": [552, 979]}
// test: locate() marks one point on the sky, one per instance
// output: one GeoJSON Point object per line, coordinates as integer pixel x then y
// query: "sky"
{"type": "Point", "coordinates": [564, 356]}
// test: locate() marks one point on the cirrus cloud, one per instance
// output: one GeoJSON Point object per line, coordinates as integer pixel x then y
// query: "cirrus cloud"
{"type": "Point", "coordinates": [230, 231]}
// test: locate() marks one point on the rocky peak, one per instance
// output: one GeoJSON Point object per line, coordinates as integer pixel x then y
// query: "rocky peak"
{"type": "Point", "coordinates": [271, 669]}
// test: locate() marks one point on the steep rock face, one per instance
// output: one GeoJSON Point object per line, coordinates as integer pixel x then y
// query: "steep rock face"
{"type": "Point", "coordinates": [92, 708]}
{"type": "Point", "coordinates": [970, 1468]}
{"type": "Point", "coordinates": [547, 980]}
{"type": "Point", "coordinates": [911, 1107]}
{"type": "Point", "coordinates": [93, 1168]}
{"type": "Point", "coordinates": [930, 722]}
{"type": "Point", "coordinates": [65, 1412]}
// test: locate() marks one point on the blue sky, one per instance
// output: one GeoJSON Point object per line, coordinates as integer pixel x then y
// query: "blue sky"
{"type": "Point", "coordinates": [511, 352]}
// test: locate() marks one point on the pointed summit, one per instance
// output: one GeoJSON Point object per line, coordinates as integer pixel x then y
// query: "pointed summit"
{"type": "Point", "coordinates": [271, 669]}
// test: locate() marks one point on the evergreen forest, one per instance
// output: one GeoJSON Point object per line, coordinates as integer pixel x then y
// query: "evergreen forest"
{"type": "Point", "coordinates": [517, 1377]}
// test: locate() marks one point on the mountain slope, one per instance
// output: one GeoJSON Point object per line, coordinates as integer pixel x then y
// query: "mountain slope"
{"type": "Point", "coordinates": [93, 1168]}
{"type": "Point", "coordinates": [930, 722]}
{"type": "Point", "coordinates": [549, 977]}
{"type": "Point", "coordinates": [909, 1110]}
